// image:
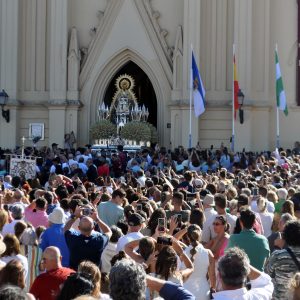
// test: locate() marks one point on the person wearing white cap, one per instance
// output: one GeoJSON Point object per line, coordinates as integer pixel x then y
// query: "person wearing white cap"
{"type": "Point", "coordinates": [54, 235]}
{"type": "Point", "coordinates": [208, 205]}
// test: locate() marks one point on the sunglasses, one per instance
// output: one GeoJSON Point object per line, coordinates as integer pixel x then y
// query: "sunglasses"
{"type": "Point", "coordinates": [217, 224]}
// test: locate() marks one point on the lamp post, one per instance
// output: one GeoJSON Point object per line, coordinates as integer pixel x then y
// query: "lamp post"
{"type": "Point", "coordinates": [241, 98]}
{"type": "Point", "coordinates": [3, 101]}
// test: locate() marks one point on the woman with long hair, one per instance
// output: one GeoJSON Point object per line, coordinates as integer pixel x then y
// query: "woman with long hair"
{"type": "Point", "coordinates": [13, 252]}
{"type": "Point", "coordinates": [203, 261]}
{"type": "Point", "coordinates": [91, 271]}
{"type": "Point", "coordinates": [76, 285]}
{"type": "Point", "coordinates": [13, 273]}
{"type": "Point", "coordinates": [3, 218]}
{"type": "Point", "coordinates": [218, 244]}
{"type": "Point", "coordinates": [265, 216]}
{"type": "Point", "coordinates": [197, 217]}
{"type": "Point", "coordinates": [166, 266]}
{"type": "Point", "coordinates": [288, 207]}
{"type": "Point", "coordinates": [153, 221]}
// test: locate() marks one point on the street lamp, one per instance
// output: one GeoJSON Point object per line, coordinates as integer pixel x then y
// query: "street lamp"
{"type": "Point", "coordinates": [3, 101]}
{"type": "Point", "coordinates": [241, 98]}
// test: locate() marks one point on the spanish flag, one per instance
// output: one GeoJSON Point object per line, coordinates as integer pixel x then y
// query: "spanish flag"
{"type": "Point", "coordinates": [235, 86]}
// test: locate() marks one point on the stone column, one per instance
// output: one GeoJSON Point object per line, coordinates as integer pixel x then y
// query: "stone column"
{"type": "Point", "coordinates": [9, 46]}
{"type": "Point", "coordinates": [58, 49]}
{"type": "Point", "coordinates": [9, 41]}
{"type": "Point", "coordinates": [58, 70]}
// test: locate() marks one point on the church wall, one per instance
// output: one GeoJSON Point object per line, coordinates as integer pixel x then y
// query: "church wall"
{"type": "Point", "coordinates": [215, 127]}
{"type": "Point", "coordinates": [283, 31]}
{"type": "Point", "coordinates": [171, 16]}
{"type": "Point", "coordinates": [33, 114]}
{"type": "Point", "coordinates": [85, 15]}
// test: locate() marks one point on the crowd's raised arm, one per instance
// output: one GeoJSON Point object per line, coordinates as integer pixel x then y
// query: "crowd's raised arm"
{"type": "Point", "coordinates": [152, 224]}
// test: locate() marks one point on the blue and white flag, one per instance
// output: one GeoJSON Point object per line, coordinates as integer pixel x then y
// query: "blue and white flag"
{"type": "Point", "coordinates": [198, 89]}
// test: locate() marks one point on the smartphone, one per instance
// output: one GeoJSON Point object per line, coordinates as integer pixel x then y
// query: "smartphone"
{"type": "Point", "coordinates": [179, 218]}
{"type": "Point", "coordinates": [161, 224]}
{"type": "Point", "coordinates": [254, 191]}
{"type": "Point", "coordinates": [163, 240]}
{"type": "Point", "coordinates": [2, 188]}
{"type": "Point", "coordinates": [86, 211]}
{"type": "Point", "coordinates": [139, 207]}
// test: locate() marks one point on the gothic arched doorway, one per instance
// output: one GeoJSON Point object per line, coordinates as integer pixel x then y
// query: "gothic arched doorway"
{"type": "Point", "coordinates": [143, 89]}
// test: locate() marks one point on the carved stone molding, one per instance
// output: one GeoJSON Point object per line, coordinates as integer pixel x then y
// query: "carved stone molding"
{"type": "Point", "coordinates": [112, 10]}
{"type": "Point", "coordinates": [161, 33]}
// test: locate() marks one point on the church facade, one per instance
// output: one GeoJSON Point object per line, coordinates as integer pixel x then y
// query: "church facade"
{"type": "Point", "coordinates": [58, 59]}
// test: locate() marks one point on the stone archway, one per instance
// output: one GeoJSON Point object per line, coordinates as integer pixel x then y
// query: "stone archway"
{"type": "Point", "coordinates": [143, 89]}
{"type": "Point", "coordinates": [105, 75]}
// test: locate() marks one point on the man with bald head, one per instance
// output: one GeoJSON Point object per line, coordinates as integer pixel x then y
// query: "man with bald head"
{"type": "Point", "coordinates": [86, 244]}
{"type": "Point", "coordinates": [47, 285]}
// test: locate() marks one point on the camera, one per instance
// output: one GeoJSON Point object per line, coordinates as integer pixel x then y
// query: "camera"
{"type": "Point", "coordinates": [86, 211]}
{"type": "Point", "coordinates": [163, 240]}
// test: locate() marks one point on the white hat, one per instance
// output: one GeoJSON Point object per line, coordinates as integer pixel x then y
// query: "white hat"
{"type": "Point", "coordinates": [209, 200]}
{"type": "Point", "coordinates": [57, 216]}
{"type": "Point", "coordinates": [2, 245]}
{"type": "Point", "coordinates": [198, 183]}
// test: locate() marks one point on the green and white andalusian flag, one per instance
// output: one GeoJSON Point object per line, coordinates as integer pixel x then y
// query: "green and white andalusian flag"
{"type": "Point", "coordinates": [280, 93]}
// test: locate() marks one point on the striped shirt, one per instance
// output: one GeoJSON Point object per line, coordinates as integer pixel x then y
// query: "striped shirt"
{"type": "Point", "coordinates": [281, 268]}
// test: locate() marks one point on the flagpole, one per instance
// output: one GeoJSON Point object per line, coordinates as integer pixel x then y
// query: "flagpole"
{"type": "Point", "coordinates": [233, 131]}
{"type": "Point", "coordinates": [277, 111]}
{"type": "Point", "coordinates": [191, 96]}
{"type": "Point", "coordinates": [277, 128]}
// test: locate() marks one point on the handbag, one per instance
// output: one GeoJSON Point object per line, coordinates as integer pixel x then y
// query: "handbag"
{"type": "Point", "coordinates": [293, 256]}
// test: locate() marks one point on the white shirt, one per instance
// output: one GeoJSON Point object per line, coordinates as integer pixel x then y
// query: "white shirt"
{"type": "Point", "coordinates": [261, 289]}
{"type": "Point", "coordinates": [267, 221]}
{"type": "Point", "coordinates": [52, 169]}
{"type": "Point", "coordinates": [141, 181]}
{"type": "Point", "coordinates": [208, 232]}
{"type": "Point", "coordinates": [83, 167]}
{"type": "Point", "coordinates": [270, 207]}
{"type": "Point", "coordinates": [10, 227]}
{"type": "Point", "coordinates": [209, 212]}
{"type": "Point", "coordinates": [129, 237]}
{"type": "Point", "coordinates": [108, 253]}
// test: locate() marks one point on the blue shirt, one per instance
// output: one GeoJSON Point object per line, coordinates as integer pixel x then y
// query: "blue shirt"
{"type": "Point", "coordinates": [173, 291]}
{"type": "Point", "coordinates": [110, 213]}
{"type": "Point", "coordinates": [54, 236]}
{"type": "Point", "coordinates": [85, 247]}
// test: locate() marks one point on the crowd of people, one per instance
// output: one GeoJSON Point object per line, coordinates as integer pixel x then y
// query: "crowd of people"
{"type": "Point", "coordinates": [152, 224]}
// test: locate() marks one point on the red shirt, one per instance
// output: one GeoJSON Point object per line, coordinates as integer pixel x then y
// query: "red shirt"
{"type": "Point", "coordinates": [103, 170]}
{"type": "Point", "coordinates": [47, 286]}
